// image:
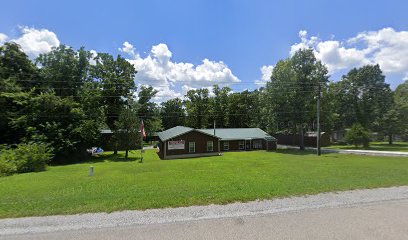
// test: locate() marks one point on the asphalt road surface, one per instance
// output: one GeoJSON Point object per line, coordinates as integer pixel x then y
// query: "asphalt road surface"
{"type": "Point", "coordinates": [374, 219]}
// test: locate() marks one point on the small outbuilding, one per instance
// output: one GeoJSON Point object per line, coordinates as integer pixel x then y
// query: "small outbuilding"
{"type": "Point", "coordinates": [185, 142]}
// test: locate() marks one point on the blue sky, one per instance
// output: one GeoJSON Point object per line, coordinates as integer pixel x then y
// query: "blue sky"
{"type": "Point", "coordinates": [244, 35]}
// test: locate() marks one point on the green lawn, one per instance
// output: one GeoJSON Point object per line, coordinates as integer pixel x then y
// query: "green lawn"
{"type": "Point", "coordinates": [236, 176]}
{"type": "Point", "coordinates": [378, 146]}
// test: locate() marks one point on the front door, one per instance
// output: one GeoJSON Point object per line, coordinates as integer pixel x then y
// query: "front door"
{"type": "Point", "coordinates": [248, 145]}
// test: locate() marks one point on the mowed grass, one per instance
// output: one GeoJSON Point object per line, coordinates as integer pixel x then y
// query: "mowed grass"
{"type": "Point", "coordinates": [236, 176]}
{"type": "Point", "coordinates": [378, 146]}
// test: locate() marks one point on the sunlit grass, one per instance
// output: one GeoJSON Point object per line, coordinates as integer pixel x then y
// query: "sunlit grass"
{"type": "Point", "coordinates": [121, 184]}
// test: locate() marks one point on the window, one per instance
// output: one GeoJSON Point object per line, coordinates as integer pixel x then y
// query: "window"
{"type": "Point", "coordinates": [257, 144]}
{"type": "Point", "coordinates": [210, 146]}
{"type": "Point", "coordinates": [191, 147]}
{"type": "Point", "coordinates": [241, 145]}
{"type": "Point", "coordinates": [226, 146]}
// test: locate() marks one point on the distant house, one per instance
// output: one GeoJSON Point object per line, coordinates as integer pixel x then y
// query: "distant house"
{"type": "Point", "coordinates": [184, 142]}
{"type": "Point", "coordinates": [339, 136]}
{"type": "Point", "coordinates": [107, 141]}
{"type": "Point", "coordinates": [309, 138]}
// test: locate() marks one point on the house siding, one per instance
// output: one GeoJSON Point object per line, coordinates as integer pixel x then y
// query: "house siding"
{"type": "Point", "coordinates": [234, 145]}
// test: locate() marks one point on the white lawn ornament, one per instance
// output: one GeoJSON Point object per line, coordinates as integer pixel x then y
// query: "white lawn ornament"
{"type": "Point", "coordinates": [94, 151]}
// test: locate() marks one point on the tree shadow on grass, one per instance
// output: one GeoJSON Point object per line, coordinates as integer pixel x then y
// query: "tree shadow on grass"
{"type": "Point", "coordinates": [112, 158]}
{"type": "Point", "coordinates": [387, 145]}
{"type": "Point", "coordinates": [105, 157]}
{"type": "Point", "coordinates": [299, 152]}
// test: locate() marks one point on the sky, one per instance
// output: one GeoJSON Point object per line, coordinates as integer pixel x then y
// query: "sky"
{"type": "Point", "coordinates": [178, 45]}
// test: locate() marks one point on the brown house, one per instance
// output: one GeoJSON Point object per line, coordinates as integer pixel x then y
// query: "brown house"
{"type": "Point", "coordinates": [184, 142]}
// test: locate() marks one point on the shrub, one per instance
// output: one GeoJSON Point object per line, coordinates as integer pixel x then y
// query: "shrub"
{"type": "Point", "coordinates": [7, 167]}
{"type": "Point", "coordinates": [358, 135]}
{"type": "Point", "coordinates": [31, 157]}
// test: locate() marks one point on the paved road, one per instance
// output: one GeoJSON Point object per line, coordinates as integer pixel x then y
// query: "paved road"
{"type": "Point", "coordinates": [351, 151]}
{"type": "Point", "coordinates": [381, 220]}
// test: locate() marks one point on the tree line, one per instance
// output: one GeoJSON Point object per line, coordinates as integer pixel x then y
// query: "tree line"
{"type": "Point", "coordinates": [287, 104]}
{"type": "Point", "coordinates": [65, 97]}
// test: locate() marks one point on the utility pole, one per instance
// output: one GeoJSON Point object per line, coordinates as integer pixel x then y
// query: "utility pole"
{"type": "Point", "coordinates": [318, 120]}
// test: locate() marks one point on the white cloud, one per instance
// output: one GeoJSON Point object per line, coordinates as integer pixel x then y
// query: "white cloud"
{"type": "Point", "coordinates": [266, 75]}
{"type": "Point", "coordinates": [337, 57]}
{"type": "Point", "coordinates": [36, 41]}
{"type": "Point", "coordinates": [3, 37]}
{"type": "Point", "coordinates": [387, 47]}
{"type": "Point", "coordinates": [128, 48]}
{"type": "Point", "coordinates": [94, 54]}
{"type": "Point", "coordinates": [405, 77]}
{"type": "Point", "coordinates": [172, 79]}
{"type": "Point", "coordinates": [304, 43]}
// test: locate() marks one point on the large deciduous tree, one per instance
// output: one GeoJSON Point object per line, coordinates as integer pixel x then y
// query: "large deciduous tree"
{"type": "Point", "coordinates": [15, 64]}
{"type": "Point", "coordinates": [172, 113]}
{"type": "Point", "coordinates": [116, 77]}
{"type": "Point", "coordinates": [64, 70]}
{"type": "Point", "coordinates": [197, 107]}
{"type": "Point", "coordinates": [127, 130]}
{"type": "Point", "coordinates": [401, 107]}
{"type": "Point", "coordinates": [292, 91]}
{"type": "Point", "coordinates": [148, 110]}
{"type": "Point", "coordinates": [219, 106]}
{"type": "Point", "coordinates": [363, 97]}
{"type": "Point", "coordinates": [17, 75]}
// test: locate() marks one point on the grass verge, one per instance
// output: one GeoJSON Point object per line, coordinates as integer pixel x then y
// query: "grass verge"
{"type": "Point", "coordinates": [377, 146]}
{"type": "Point", "coordinates": [121, 184]}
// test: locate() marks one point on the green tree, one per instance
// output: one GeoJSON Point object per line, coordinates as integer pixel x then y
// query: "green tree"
{"type": "Point", "coordinates": [64, 70]}
{"type": "Point", "coordinates": [401, 106]}
{"type": "Point", "coordinates": [197, 107]}
{"type": "Point", "coordinates": [219, 106]}
{"type": "Point", "coordinates": [116, 77]}
{"type": "Point", "coordinates": [358, 135]}
{"type": "Point", "coordinates": [148, 110]}
{"type": "Point", "coordinates": [363, 97]}
{"type": "Point", "coordinates": [17, 74]}
{"type": "Point", "coordinates": [172, 113]}
{"type": "Point", "coordinates": [291, 92]}
{"type": "Point", "coordinates": [15, 64]}
{"type": "Point", "coordinates": [127, 130]}
{"type": "Point", "coordinates": [391, 123]}
{"type": "Point", "coordinates": [57, 121]}
{"type": "Point", "coordinates": [241, 109]}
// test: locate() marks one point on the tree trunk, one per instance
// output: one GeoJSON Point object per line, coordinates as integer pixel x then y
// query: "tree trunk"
{"type": "Point", "coordinates": [115, 151]}
{"type": "Point", "coordinates": [302, 139]}
{"type": "Point", "coordinates": [390, 139]}
{"type": "Point", "coordinates": [127, 154]}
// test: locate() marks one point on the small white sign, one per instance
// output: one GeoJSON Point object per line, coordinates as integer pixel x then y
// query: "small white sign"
{"type": "Point", "coordinates": [172, 145]}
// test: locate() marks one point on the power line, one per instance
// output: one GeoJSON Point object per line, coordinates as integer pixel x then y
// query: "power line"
{"type": "Point", "coordinates": [170, 82]}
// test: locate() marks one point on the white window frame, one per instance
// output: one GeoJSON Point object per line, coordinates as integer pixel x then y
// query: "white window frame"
{"type": "Point", "coordinates": [226, 143]}
{"type": "Point", "coordinates": [191, 145]}
{"type": "Point", "coordinates": [210, 143]}
{"type": "Point", "coordinates": [241, 145]}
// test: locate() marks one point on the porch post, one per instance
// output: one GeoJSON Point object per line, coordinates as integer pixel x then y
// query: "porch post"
{"type": "Point", "coordinates": [164, 149]}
